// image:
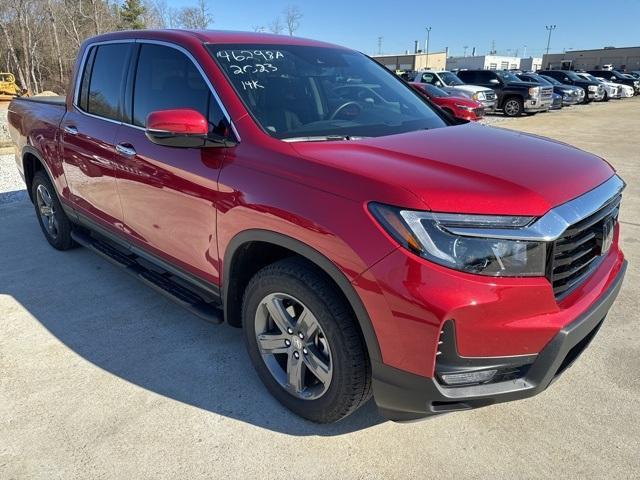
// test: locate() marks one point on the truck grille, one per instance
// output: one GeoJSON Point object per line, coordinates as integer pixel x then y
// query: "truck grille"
{"type": "Point", "coordinates": [490, 95]}
{"type": "Point", "coordinates": [578, 251]}
{"type": "Point", "coordinates": [546, 92]}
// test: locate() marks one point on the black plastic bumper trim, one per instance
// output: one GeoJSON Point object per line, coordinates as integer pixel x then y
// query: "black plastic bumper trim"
{"type": "Point", "coordinates": [403, 396]}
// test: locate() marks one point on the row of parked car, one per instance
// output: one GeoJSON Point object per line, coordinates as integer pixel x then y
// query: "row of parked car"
{"type": "Point", "coordinates": [469, 94]}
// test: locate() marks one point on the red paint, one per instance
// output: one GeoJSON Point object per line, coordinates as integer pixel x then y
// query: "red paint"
{"type": "Point", "coordinates": [178, 121]}
{"type": "Point", "coordinates": [187, 205]}
{"type": "Point", "coordinates": [453, 104]}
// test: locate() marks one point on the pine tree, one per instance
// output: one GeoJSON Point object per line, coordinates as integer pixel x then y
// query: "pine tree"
{"type": "Point", "coordinates": [131, 15]}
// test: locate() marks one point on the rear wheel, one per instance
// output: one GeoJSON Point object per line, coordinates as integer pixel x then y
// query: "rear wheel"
{"type": "Point", "coordinates": [513, 107]}
{"type": "Point", "coordinates": [606, 97]}
{"type": "Point", "coordinates": [304, 342]}
{"type": "Point", "coordinates": [54, 223]}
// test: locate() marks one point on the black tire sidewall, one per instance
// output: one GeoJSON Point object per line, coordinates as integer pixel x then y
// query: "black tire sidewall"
{"type": "Point", "coordinates": [329, 406]}
{"type": "Point", "coordinates": [63, 240]}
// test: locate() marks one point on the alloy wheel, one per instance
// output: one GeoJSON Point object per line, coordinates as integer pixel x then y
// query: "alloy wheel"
{"type": "Point", "coordinates": [47, 210]}
{"type": "Point", "coordinates": [293, 346]}
{"type": "Point", "coordinates": [512, 108]}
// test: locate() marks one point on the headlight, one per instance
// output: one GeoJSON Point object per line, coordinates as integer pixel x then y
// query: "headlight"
{"type": "Point", "coordinates": [478, 96]}
{"type": "Point", "coordinates": [464, 107]}
{"type": "Point", "coordinates": [593, 88]}
{"type": "Point", "coordinates": [534, 91]}
{"type": "Point", "coordinates": [426, 234]}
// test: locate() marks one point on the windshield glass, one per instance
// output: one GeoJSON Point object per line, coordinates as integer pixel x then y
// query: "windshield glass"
{"type": "Point", "coordinates": [435, 91]}
{"type": "Point", "coordinates": [551, 80]}
{"type": "Point", "coordinates": [450, 79]}
{"type": "Point", "coordinates": [574, 76]}
{"type": "Point", "coordinates": [295, 91]}
{"type": "Point", "coordinates": [508, 76]}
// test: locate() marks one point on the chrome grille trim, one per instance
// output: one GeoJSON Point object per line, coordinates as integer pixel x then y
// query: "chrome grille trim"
{"type": "Point", "coordinates": [556, 221]}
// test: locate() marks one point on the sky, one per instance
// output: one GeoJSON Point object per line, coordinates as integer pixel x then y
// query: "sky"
{"type": "Point", "coordinates": [454, 24]}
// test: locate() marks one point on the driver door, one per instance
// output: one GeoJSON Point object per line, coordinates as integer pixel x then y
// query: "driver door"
{"type": "Point", "coordinates": [170, 195]}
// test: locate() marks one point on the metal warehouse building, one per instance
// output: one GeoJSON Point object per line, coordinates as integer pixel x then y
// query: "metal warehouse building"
{"type": "Point", "coordinates": [413, 61]}
{"type": "Point", "coordinates": [625, 57]}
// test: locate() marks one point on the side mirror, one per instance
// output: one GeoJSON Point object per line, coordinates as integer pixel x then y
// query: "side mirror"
{"type": "Point", "coordinates": [182, 128]}
{"type": "Point", "coordinates": [438, 83]}
{"type": "Point", "coordinates": [494, 81]}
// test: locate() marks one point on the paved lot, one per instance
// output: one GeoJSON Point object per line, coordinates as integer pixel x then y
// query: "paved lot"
{"type": "Point", "coordinates": [100, 377]}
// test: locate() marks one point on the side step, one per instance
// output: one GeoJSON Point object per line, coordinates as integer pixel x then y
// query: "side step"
{"type": "Point", "coordinates": [164, 282]}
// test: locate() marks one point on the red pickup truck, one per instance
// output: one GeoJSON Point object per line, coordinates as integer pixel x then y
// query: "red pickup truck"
{"type": "Point", "coordinates": [299, 190]}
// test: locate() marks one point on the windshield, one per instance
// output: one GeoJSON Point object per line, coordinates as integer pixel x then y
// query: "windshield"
{"type": "Point", "coordinates": [450, 79]}
{"type": "Point", "coordinates": [574, 76]}
{"type": "Point", "coordinates": [435, 91]}
{"type": "Point", "coordinates": [551, 80]}
{"type": "Point", "coordinates": [590, 77]}
{"type": "Point", "coordinates": [300, 92]}
{"type": "Point", "coordinates": [508, 76]}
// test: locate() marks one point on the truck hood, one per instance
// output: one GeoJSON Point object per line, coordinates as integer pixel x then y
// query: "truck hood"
{"type": "Point", "coordinates": [466, 168]}
{"type": "Point", "coordinates": [469, 88]}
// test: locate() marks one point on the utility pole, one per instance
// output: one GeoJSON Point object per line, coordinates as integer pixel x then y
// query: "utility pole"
{"type": "Point", "coordinates": [550, 28]}
{"type": "Point", "coordinates": [465, 50]}
{"type": "Point", "coordinates": [524, 54]}
{"type": "Point", "coordinates": [379, 45]}
{"type": "Point", "coordinates": [426, 45]}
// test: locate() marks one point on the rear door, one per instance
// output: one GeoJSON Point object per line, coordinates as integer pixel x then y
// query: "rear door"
{"type": "Point", "coordinates": [89, 129]}
{"type": "Point", "coordinates": [169, 195]}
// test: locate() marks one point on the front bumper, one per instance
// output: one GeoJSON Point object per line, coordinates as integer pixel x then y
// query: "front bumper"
{"type": "Point", "coordinates": [403, 396]}
{"type": "Point", "coordinates": [488, 105]}
{"type": "Point", "coordinates": [537, 104]}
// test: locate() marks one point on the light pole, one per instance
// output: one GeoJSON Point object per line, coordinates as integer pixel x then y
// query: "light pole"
{"type": "Point", "coordinates": [426, 45]}
{"type": "Point", "coordinates": [550, 28]}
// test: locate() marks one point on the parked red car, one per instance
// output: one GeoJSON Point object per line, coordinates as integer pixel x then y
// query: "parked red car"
{"type": "Point", "coordinates": [301, 191]}
{"type": "Point", "coordinates": [459, 107]}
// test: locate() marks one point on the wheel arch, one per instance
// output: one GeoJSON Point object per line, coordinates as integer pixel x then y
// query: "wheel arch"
{"type": "Point", "coordinates": [279, 246]}
{"type": "Point", "coordinates": [33, 162]}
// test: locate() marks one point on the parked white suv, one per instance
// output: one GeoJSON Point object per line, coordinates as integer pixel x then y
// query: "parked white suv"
{"type": "Point", "coordinates": [443, 78]}
{"type": "Point", "coordinates": [611, 90]}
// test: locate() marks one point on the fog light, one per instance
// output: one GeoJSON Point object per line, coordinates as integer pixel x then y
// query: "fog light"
{"type": "Point", "coordinates": [468, 377]}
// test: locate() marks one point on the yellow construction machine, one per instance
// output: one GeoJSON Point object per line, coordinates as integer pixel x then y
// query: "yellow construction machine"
{"type": "Point", "coordinates": [8, 87]}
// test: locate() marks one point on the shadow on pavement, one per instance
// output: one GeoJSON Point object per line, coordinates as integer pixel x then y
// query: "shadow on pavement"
{"type": "Point", "coordinates": [125, 328]}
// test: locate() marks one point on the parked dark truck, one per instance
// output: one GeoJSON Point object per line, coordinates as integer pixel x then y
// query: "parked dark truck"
{"type": "Point", "coordinates": [297, 189]}
{"type": "Point", "coordinates": [515, 96]}
{"type": "Point", "coordinates": [592, 90]}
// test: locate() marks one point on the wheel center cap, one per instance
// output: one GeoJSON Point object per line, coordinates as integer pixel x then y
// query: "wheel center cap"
{"type": "Point", "coordinates": [296, 342]}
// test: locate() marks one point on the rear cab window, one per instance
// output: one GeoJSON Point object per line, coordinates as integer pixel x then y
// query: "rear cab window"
{"type": "Point", "coordinates": [103, 80]}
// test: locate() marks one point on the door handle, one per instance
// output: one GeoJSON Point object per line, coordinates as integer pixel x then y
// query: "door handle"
{"type": "Point", "coordinates": [125, 149]}
{"type": "Point", "coordinates": [71, 130]}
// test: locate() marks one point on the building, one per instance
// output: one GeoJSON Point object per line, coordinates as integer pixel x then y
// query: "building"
{"type": "Point", "coordinates": [483, 62]}
{"type": "Point", "coordinates": [413, 61]}
{"type": "Point", "coordinates": [625, 57]}
{"type": "Point", "coordinates": [531, 64]}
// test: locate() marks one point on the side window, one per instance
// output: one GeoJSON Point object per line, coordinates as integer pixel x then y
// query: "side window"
{"type": "Point", "coordinates": [485, 77]}
{"type": "Point", "coordinates": [166, 79]}
{"type": "Point", "coordinates": [83, 97]}
{"type": "Point", "coordinates": [107, 80]}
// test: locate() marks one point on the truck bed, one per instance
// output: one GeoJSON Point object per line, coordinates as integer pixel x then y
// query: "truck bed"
{"type": "Point", "coordinates": [52, 100]}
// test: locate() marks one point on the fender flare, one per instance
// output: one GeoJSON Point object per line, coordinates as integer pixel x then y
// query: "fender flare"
{"type": "Point", "coordinates": [318, 259]}
{"type": "Point", "coordinates": [28, 149]}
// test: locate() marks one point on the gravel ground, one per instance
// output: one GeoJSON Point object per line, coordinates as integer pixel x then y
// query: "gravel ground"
{"type": "Point", "coordinates": [12, 187]}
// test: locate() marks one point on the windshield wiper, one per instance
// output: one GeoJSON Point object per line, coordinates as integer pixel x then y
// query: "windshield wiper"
{"type": "Point", "coordinates": [321, 138]}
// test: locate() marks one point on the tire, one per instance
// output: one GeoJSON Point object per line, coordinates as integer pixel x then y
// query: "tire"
{"type": "Point", "coordinates": [513, 107]}
{"type": "Point", "coordinates": [294, 289]}
{"type": "Point", "coordinates": [53, 221]}
{"type": "Point", "coordinates": [606, 97]}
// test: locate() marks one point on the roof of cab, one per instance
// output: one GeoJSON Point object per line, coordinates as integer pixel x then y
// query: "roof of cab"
{"type": "Point", "coordinates": [212, 36]}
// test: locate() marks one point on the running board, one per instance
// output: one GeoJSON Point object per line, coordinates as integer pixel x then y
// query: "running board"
{"type": "Point", "coordinates": [156, 278]}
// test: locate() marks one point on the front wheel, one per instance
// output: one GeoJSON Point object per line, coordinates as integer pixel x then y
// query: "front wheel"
{"type": "Point", "coordinates": [304, 342]}
{"type": "Point", "coordinates": [513, 107]}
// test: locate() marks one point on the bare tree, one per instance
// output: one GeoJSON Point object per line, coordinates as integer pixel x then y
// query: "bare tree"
{"type": "Point", "coordinates": [195, 18]}
{"type": "Point", "coordinates": [276, 26]}
{"type": "Point", "coordinates": [292, 17]}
